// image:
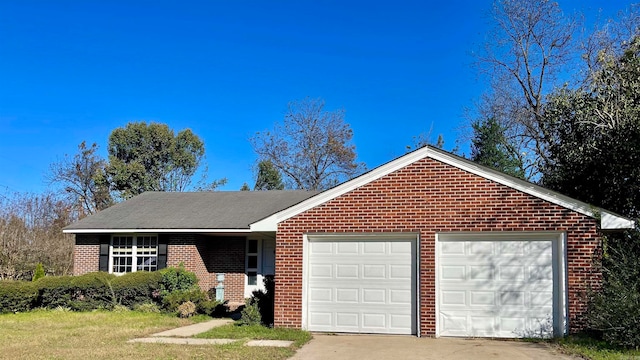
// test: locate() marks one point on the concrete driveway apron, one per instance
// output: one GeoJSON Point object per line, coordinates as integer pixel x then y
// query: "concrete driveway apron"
{"type": "Point", "coordinates": [337, 347]}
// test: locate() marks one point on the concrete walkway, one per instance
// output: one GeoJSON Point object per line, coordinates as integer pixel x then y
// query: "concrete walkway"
{"type": "Point", "coordinates": [182, 335]}
{"type": "Point", "coordinates": [191, 330]}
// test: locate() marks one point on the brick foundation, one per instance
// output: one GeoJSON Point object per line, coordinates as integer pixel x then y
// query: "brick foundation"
{"type": "Point", "coordinates": [428, 197]}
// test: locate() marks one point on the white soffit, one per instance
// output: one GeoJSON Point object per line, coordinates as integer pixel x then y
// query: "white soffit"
{"type": "Point", "coordinates": [609, 220]}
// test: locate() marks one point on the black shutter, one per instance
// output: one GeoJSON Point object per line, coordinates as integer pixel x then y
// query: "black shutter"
{"type": "Point", "coordinates": [105, 239]}
{"type": "Point", "coordinates": [163, 239]}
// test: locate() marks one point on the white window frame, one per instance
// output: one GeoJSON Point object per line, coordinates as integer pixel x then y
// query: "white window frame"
{"type": "Point", "coordinates": [250, 288]}
{"type": "Point", "coordinates": [134, 251]}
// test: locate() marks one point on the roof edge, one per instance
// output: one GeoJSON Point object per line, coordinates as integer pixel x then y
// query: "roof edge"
{"type": "Point", "coordinates": [114, 231]}
{"type": "Point", "coordinates": [609, 220]}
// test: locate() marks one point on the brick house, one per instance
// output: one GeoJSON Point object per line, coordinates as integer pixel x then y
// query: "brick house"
{"type": "Point", "coordinates": [429, 244]}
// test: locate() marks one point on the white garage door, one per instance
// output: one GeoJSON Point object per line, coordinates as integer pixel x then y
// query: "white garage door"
{"type": "Point", "coordinates": [496, 288]}
{"type": "Point", "coordinates": [361, 285]}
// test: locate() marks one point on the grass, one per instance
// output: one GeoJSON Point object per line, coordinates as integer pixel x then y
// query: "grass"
{"type": "Point", "coordinates": [257, 332]}
{"type": "Point", "coordinates": [104, 335]}
{"type": "Point", "coordinates": [589, 348]}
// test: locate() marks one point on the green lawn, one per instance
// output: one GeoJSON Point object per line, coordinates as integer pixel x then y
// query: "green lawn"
{"type": "Point", "coordinates": [589, 348]}
{"type": "Point", "coordinates": [232, 331]}
{"type": "Point", "coordinates": [104, 335]}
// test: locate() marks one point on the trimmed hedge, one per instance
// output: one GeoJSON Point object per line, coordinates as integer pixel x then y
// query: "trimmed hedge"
{"type": "Point", "coordinates": [81, 293]}
{"type": "Point", "coordinates": [99, 290]}
{"type": "Point", "coordinates": [136, 288]}
{"type": "Point", "coordinates": [54, 291]}
{"type": "Point", "coordinates": [17, 296]}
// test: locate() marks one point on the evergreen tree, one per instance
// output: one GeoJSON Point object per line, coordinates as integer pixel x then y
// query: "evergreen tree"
{"type": "Point", "coordinates": [491, 148]}
{"type": "Point", "coordinates": [269, 177]}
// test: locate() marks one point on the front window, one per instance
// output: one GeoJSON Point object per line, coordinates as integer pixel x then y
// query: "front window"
{"type": "Point", "coordinates": [131, 253]}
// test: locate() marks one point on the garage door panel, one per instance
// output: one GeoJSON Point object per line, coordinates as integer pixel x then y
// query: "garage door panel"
{"type": "Point", "coordinates": [369, 289]}
{"type": "Point", "coordinates": [346, 248]}
{"type": "Point", "coordinates": [321, 294]}
{"type": "Point", "coordinates": [482, 298]}
{"type": "Point", "coordinates": [374, 248]}
{"type": "Point", "coordinates": [347, 295]}
{"type": "Point", "coordinates": [321, 248]}
{"type": "Point", "coordinates": [401, 247]}
{"type": "Point", "coordinates": [495, 288]}
{"type": "Point", "coordinates": [321, 271]}
{"type": "Point", "coordinates": [347, 271]}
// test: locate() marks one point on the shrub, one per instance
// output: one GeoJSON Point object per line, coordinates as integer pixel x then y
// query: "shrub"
{"type": "Point", "coordinates": [148, 307]}
{"type": "Point", "coordinates": [177, 279]}
{"type": "Point", "coordinates": [136, 288]}
{"type": "Point", "coordinates": [90, 291]}
{"type": "Point", "coordinates": [62, 309]}
{"type": "Point", "coordinates": [212, 308]}
{"type": "Point", "coordinates": [250, 315]}
{"type": "Point", "coordinates": [120, 308]}
{"type": "Point", "coordinates": [266, 300]}
{"type": "Point", "coordinates": [38, 272]}
{"type": "Point", "coordinates": [187, 309]}
{"type": "Point", "coordinates": [17, 296]}
{"type": "Point", "coordinates": [614, 311]}
{"type": "Point", "coordinates": [173, 300]}
{"type": "Point", "coordinates": [54, 291]}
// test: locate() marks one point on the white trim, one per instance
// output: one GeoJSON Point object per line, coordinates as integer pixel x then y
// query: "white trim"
{"type": "Point", "coordinates": [249, 289]}
{"type": "Point", "coordinates": [560, 280]}
{"type": "Point", "coordinates": [562, 312]}
{"type": "Point", "coordinates": [126, 231]}
{"type": "Point", "coordinates": [610, 221]}
{"type": "Point", "coordinates": [415, 248]}
{"type": "Point", "coordinates": [436, 272]}
{"type": "Point", "coordinates": [305, 280]}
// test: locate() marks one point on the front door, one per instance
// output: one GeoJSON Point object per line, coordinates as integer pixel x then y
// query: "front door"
{"type": "Point", "coordinates": [260, 262]}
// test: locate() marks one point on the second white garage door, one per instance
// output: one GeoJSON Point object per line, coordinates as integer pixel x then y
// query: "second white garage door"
{"type": "Point", "coordinates": [361, 285]}
{"type": "Point", "coordinates": [504, 287]}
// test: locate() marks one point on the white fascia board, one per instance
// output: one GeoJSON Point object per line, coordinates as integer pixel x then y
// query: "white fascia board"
{"type": "Point", "coordinates": [612, 221]}
{"type": "Point", "coordinates": [118, 231]}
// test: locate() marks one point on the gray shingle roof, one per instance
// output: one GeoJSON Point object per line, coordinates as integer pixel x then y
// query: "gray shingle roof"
{"type": "Point", "coordinates": [192, 210]}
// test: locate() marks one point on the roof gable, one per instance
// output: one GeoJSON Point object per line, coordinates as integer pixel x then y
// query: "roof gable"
{"type": "Point", "coordinates": [609, 220]}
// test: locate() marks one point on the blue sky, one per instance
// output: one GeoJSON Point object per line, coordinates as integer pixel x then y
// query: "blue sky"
{"type": "Point", "coordinates": [75, 70]}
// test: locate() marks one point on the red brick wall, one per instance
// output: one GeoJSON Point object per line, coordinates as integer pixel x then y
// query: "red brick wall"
{"type": "Point", "coordinates": [186, 249]}
{"type": "Point", "coordinates": [86, 254]}
{"type": "Point", "coordinates": [204, 255]}
{"type": "Point", "coordinates": [428, 197]}
{"type": "Point", "coordinates": [207, 256]}
{"type": "Point", "coordinates": [227, 255]}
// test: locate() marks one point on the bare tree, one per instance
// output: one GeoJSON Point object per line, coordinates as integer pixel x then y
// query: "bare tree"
{"type": "Point", "coordinates": [426, 138]}
{"type": "Point", "coordinates": [311, 147]}
{"type": "Point", "coordinates": [83, 179]}
{"type": "Point", "coordinates": [31, 233]}
{"type": "Point", "coordinates": [531, 43]}
{"type": "Point", "coordinates": [610, 40]}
